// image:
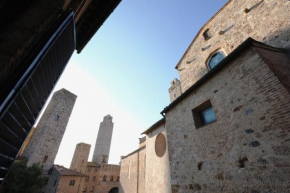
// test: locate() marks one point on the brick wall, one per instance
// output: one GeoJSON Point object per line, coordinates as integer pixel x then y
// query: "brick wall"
{"type": "Point", "coordinates": [247, 148]}
{"type": "Point", "coordinates": [130, 181]}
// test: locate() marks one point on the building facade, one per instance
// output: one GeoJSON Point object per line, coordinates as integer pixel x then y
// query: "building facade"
{"type": "Point", "coordinates": [228, 129]}
{"type": "Point", "coordinates": [147, 168]}
{"type": "Point", "coordinates": [45, 141]}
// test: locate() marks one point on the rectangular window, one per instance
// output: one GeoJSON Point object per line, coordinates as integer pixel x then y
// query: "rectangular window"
{"type": "Point", "coordinates": [72, 183]}
{"type": "Point", "coordinates": [207, 115]}
{"type": "Point", "coordinates": [203, 114]}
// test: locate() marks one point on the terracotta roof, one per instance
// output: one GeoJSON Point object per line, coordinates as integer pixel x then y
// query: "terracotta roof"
{"type": "Point", "coordinates": [68, 172]}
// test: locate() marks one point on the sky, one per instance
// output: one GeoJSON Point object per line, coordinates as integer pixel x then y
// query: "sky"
{"type": "Point", "coordinates": [126, 70]}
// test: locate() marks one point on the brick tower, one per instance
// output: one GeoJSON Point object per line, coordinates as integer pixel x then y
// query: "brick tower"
{"type": "Point", "coordinates": [80, 158]}
{"type": "Point", "coordinates": [103, 143]}
{"type": "Point", "coordinates": [45, 141]}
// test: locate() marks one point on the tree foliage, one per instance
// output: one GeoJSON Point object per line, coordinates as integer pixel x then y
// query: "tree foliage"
{"type": "Point", "coordinates": [23, 179]}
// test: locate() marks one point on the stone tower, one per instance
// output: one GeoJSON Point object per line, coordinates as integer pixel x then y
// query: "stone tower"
{"type": "Point", "coordinates": [103, 143]}
{"type": "Point", "coordinates": [80, 158]}
{"type": "Point", "coordinates": [174, 90]}
{"type": "Point", "coordinates": [45, 141]}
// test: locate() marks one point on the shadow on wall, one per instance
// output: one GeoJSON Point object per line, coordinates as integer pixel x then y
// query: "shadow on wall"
{"type": "Point", "coordinates": [279, 38]}
{"type": "Point", "coordinates": [114, 190]}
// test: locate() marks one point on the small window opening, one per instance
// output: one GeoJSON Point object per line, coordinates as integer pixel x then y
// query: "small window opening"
{"type": "Point", "coordinates": [111, 179]}
{"type": "Point", "coordinates": [242, 161]}
{"type": "Point", "coordinates": [72, 183]}
{"type": "Point", "coordinates": [56, 118]}
{"type": "Point", "coordinates": [207, 35]}
{"type": "Point", "coordinates": [94, 178]}
{"type": "Point", "coordinates": [105, 178]}
{"type": "Point", "coordinates": [87, 179]}
{"type": "Point", "coordinates": [203, 114]}
{"type": "Point", "coordinates": [199, 165]}
{"type": "Point", "coordinates": [44, 159]}
{"type": "Point", "coordinates": [118, 179]}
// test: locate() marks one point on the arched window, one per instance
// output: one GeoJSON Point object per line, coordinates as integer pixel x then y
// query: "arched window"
{"type": "Point", "coordinates": [112, 178]}
{"type": "Point", "coordinates": [94, 178]}
{"type": "Point", "coordinates": [105, 178]}
{"type": "Point", "coordinates": [215, 59]}
{"type": "Point", "coordinates": [118, 179]}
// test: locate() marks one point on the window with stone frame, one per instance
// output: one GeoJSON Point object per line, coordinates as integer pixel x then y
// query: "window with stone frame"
{"type": "Point", "coordinates": [203, 114]}
{"type": "Point", "coordinates": [111, 178]}
{"type": "Point", "coordinates": [215, 59]}
{"type": "Point", "coordinates": [72, 183]}
{"type": "Point", "coordinates": [87, 179]}
{"type": "Point", "coordinates": [89, 169]}
{"type": "Point", "coordinates": [94, 178]}
{"type": "Point", "coordinates": [105, 178]}
{"type": "Point", "coordinates": [118, 179]}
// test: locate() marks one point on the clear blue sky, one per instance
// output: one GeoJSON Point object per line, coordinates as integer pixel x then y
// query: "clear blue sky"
{"type": "Point", "coordinates": [126, 70]}
{"type": "Point", "coordinates": [134, 53]}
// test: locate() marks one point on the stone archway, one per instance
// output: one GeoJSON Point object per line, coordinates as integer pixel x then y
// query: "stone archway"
{"type": "Point", "coordinates": [114, 190]}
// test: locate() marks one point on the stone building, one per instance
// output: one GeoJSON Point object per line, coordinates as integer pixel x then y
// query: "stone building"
{"type": "Point", "coordinates": [228, 129]}
{"type": "Point", "coordinates": [132, 173]}
{"type": "Point", "coordinates": [44, 143]}
{"type": "Point", "coordinates": [101, 176]}
{"type": "Point", "coordinates": [147, 168]}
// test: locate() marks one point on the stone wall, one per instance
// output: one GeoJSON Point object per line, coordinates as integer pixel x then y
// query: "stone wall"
{"type": "Point", "coordinates": [45, 141]}
{"type": "Point", "coordinates": [132, 165]}
{"type": "Point", "coordinates": [108, 170]}
{"type": "Point", "coordinates": [247, 148]}
{"type": "Point", "coordinates": [103, 143]}
{"type": "Point", "coordinates": [263, 20]}
{"type": "Point", "coordinates": [80, 157]}
{"type": "Point", "coordinates": [65, 187]}
{"type": "Point", "coordinates": [53, 182]}
{"type": "Point", "coordinates": [157, 168]}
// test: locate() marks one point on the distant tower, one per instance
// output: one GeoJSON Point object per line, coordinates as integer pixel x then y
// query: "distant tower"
{"type": "Point", "coordinates": [103, 143]}
{"type": "Point", "coordinates": [80, 158]}
{"type": "Point", "coordinates": [45, 141]}
{"type": "Point", "coordinates": [174, 90]}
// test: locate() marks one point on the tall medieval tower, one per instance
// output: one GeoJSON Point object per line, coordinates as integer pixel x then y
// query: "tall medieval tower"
{"type": "Point", "coordinates": [45, 141]}
{"type": "Point", "coordinates": [80, 158]}
{"type": "Point", "coordinates": [103, 143]}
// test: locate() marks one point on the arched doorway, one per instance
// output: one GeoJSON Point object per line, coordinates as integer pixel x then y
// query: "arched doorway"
{"type": "Point", "coordinates": [114, 190]}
